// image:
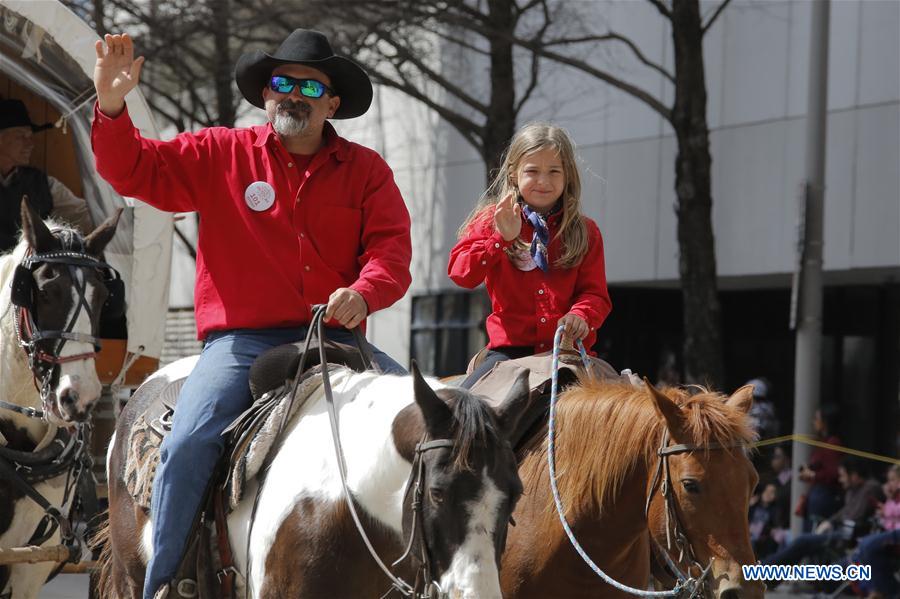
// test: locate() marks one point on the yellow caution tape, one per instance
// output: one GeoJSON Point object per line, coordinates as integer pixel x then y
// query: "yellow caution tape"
{"type": "Point", "coordinates": [815, 442]}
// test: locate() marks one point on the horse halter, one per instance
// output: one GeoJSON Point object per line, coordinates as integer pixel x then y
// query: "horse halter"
{"type": "Point", "coordinates": [430, 589]}
{"type": "Point", "coordinates": [662, 477]}
{"type": "Point", "coordinates": [42, 362]}
{"type": "Point", "coordinates": [416, 483]}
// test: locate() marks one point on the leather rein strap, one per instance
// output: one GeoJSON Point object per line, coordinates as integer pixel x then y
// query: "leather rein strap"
{"type": "Point", "coordinates": [317, 326]}
{"type": "Point", "coordinates": [662, 477]}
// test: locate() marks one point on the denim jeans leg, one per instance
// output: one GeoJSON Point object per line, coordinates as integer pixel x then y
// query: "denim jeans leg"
{"type": "Point", "coordinates": [490, 359]}
{"type": "Point", "coordinates": [215, 393]}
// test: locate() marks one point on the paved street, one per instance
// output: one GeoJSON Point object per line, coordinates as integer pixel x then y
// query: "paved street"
{"type": "Point", "coordinates": [67, 586]}
{"type": "Point", "coordinates": [75, 586]}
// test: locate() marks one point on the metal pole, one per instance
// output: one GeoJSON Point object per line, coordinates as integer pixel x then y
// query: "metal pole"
{"type": "Point", "coordinates": [809, 325]}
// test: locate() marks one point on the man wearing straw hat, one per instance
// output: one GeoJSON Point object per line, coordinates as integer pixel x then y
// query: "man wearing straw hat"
{"type": "Point", "coordinates": [291, 215]}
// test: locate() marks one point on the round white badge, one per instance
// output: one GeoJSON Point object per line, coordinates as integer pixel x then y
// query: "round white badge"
{"type": "Point", "coordinates": [259, 196]}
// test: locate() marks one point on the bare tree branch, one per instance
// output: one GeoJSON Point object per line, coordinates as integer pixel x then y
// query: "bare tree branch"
{"type": "Point", "coordinates": [466, 128]}
{"type": "Point", "coordinates": [532, 84]}
{"type": "Point", "coordinates": [406, 56]}
{"type": "Point", "coordinates": [714, 16]}
{"type": "Point", "coordinates": [615, 37]}
{"type": "Point", "coordinates": [624, 86]}
{"type": "Point", "coordinates": [662, 8]}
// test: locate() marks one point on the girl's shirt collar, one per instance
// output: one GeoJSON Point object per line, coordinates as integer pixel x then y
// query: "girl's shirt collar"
{"type": "Point", "coordinates": [551, 217]}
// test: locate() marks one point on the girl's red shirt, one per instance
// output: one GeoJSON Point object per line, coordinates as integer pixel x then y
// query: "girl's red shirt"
{"type": "Point", "coordinates": [527, 304]}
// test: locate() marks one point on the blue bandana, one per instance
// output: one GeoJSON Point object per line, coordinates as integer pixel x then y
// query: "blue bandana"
{"type": "Point", "coordinates": [540, 239]}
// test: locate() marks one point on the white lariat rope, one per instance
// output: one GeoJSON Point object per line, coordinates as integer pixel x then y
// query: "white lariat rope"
{"type": "Point", "coordinates": [688, 586]}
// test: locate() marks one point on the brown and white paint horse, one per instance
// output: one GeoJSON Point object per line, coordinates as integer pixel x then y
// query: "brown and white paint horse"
{"type": "Point", "coordinates": [607, 440]}
{"type": "Point", "coordinates": [300, 540]}
{"type": "Point", "coordinates": [60, 297]}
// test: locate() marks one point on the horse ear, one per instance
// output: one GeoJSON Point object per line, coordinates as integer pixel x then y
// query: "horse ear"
{"type": "Point", "coordinates": [99, 237]}
{"type": "Point", "coordinates": [667, 408]}
{"type": "Point", "coordinates": [518, 411]}
{"type": "Point", "coordinates": [436, 413]}
{"type": "Point", "coordinates": [742, 399]}
{"type": "Point", "coordinates": [34, 230]}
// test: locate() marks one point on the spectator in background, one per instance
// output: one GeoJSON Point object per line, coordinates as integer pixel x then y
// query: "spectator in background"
{"type": "Point", "coordinates": [781, 477]}
{"type": "Point", "coordinates": [861, 497]}
{"type": "Point", "coordinates": [766, 520]}
{"type": "Point", "coordinates": [823, 494]}
{"type": "Point", "coordinates": [762, 415]}
{"type": "Point", "coordinates": [878, 548]}
{"type": "Point", "coordinates": [47, 196]}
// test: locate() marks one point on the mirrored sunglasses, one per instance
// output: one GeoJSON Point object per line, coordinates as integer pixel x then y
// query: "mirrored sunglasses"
{"type": "Point", "coordinates": [310, 88]}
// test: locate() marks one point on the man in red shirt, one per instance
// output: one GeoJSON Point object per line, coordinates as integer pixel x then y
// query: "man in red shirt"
{"type": "Point", "coordinates": [291, 215]}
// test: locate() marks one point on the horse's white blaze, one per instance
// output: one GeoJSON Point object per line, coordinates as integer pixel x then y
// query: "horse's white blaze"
{"type": "Point", "coordinates": [473, 571]}
{"type": "Point", "coordinates": [79, 376]}
{"type": "Point", "coordinates": [306, 467]}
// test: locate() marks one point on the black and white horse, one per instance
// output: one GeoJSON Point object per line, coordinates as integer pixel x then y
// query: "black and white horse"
{"type": "Point", "coordinates": [53, 286]}
{"type": "Point", "coordinates": [428, 466]}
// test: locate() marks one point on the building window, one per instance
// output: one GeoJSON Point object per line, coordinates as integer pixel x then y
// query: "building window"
{"type": "Point", "coordinates": [447, 330]}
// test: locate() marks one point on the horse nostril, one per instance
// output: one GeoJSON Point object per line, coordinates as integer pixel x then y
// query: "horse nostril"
{"type": "Point", "coordinates": [730, 594]}
{"type": "Point", "coordinates": [68, 397]}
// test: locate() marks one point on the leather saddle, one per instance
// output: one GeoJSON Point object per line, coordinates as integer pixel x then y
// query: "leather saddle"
{"type": "Point", "coordinates": [269, 371]}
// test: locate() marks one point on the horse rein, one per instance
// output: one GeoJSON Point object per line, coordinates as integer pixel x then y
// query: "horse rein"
{"type": "Point", "coordinates": [42, 363]}
{"type": "Point", "coordinates": [685, 586]}
{"type": "Point", "coordinates": [662, 477]}
{"type": "Point", "coordinates": [430, 589]}
{"type": "Point", "coordinates": [67, 455]}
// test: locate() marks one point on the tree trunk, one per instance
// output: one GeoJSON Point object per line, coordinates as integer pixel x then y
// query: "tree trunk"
{"type": "Point", "coordinates": [223, 64]}
{"type": "Point", "coordinates": [100, 18]}
{"type": "Point", "coordinates": [693, 186]}
{"type": "Point", "coordinates": [500, 120]}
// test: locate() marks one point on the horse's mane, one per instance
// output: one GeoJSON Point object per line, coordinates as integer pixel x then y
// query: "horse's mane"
{"type": "Point", "coordinates": [604, 429]}
{"type": "Point", "coordinates": [473, 424]}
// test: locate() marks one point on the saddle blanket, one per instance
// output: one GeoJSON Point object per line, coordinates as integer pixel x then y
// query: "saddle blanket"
{"type": "Point", "coordinates": [251, 438]}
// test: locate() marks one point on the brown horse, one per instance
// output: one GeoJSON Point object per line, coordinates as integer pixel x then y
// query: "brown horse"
{"type": "Point", "coordinates": [608, 439]}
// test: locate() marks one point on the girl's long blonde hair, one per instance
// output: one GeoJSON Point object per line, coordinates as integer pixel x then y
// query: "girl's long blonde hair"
{"type": "Point", "coordinates": [532, 138]}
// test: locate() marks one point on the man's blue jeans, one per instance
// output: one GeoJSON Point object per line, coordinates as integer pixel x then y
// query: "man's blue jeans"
{"type": "Point", "coordinates": [214, 394]}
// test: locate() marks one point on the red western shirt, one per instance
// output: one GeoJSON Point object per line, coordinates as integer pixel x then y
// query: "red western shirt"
{"type": "Point", "coordinates": [274, 238]}
{"type": "Point", "coordinates": [528, 304]}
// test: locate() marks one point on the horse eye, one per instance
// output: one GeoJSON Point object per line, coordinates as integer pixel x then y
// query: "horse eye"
{"type": "Point", "coordinates": [50, 273]}
{"type": "Point", "coordinates": [690, 485]}
{"type": "Point", "coordinates": [436, 495]}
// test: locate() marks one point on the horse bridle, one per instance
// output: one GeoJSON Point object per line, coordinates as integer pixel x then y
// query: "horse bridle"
{"type": "Point", "coordinates": [425, 581]}
{"type": "Point", "coordinates": [662, 477]}
{"type": "Point", "coordinates": [40, 361]}
{"type": "Point", "coordinates": [425, 586]}
{"type": "Point", "coordinates": [67, 452]}
{"type": "Point", "coordinates": [685, 586]}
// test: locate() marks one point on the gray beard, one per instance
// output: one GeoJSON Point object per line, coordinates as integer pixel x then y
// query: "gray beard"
{"type": "Point", "coordinates": [287, 125]}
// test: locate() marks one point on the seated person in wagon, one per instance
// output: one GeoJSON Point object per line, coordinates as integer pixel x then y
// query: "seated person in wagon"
{"type": "Point", "coordinates": [47, 195]}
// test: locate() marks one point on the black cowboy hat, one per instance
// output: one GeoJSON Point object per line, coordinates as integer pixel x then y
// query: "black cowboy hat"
{"type": "Point", "coordinates": [310, 48]}
{"type": "Point", "coordinates": [14, 114]}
